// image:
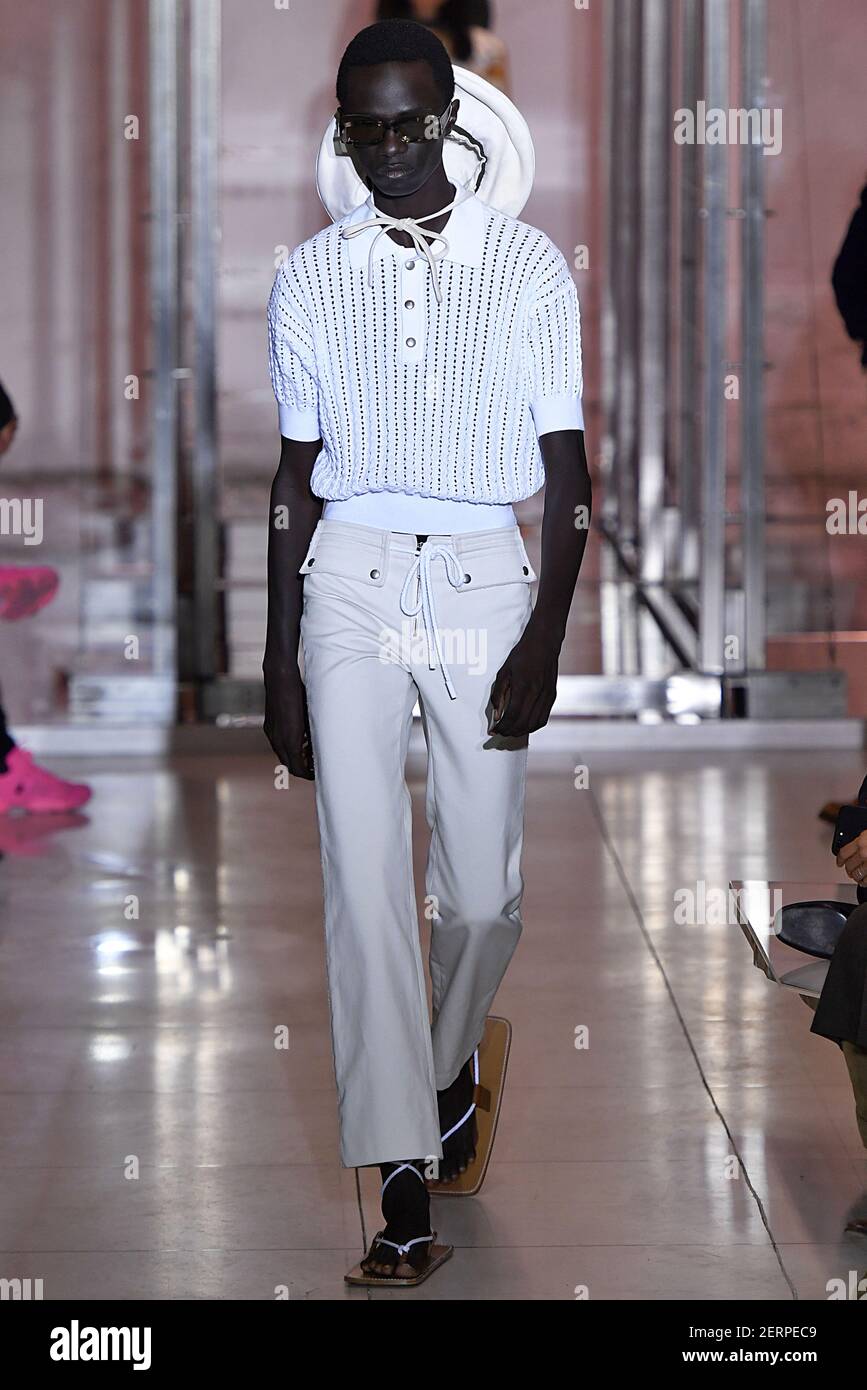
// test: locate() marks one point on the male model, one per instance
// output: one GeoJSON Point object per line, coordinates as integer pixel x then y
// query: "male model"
{"type": "Point", "coordinates": [425, 354]}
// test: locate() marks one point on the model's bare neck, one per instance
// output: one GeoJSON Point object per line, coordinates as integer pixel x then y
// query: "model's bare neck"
{"type": "Point", "coordinates": [431, 196]}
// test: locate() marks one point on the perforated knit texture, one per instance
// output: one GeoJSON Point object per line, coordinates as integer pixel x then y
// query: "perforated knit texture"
{"type": "Point", "coordinates": [506, 340]}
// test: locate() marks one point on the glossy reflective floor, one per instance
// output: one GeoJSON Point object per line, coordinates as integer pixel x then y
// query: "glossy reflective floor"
{"type": "Point", "coordinates": [157, 1141]}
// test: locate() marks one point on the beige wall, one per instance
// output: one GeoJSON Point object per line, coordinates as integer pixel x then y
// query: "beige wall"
{"type": "Point", "coordinates": [73, 286]}
{"type": "Point", "coordinates": [72, 215]}
{"type": "Point", "coordinates": [73, 227]}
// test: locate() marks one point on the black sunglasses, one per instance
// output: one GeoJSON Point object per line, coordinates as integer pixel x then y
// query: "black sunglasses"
{"type": "Point", "coordinates": [368, 130]}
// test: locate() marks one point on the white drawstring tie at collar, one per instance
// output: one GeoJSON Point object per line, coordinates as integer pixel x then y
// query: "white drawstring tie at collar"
{"type": "Point", "coordinates": [421, 566]}
{"type": "Point", "coordinates": [421, 236]}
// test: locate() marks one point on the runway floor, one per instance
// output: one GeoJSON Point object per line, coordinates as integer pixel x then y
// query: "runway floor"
{"type": "Point", "coordinates": [155, 1143]}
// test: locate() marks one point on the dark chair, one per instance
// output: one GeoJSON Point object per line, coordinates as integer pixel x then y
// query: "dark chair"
{"type": "Point", "coordinates": [814, 927]}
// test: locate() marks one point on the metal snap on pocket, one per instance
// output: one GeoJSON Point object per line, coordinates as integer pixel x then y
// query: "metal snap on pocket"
{"type": "Point", "coordinates": [374, 574]}
{"type": "Point", "coordinates": [467, 578]}
{"type": "Point", "coordinates": [524, 568]}
{"type": "Point", "coordinates": [312, 560]}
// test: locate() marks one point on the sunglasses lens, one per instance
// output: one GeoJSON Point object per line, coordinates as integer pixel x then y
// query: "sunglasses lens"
{"type": "Point", "coordinates": [414, 129]}
{"type": "Point", "coordinates": [360, 132]}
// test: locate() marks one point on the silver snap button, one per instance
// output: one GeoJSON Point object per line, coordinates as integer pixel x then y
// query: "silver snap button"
{"type": "Point", "coordinates": [410, 342]}
{"type": "Point", "coordinates": [526, 571]}
{"type": "Point", "coordinates": [410, 265]}
{"type": "Point", "coordinates": [467, 578]}
{"type": "Point", "coordinates": [409, 304]}
{"type": "Point", "coordinates": [312, 561]}
{"type": "Point", "coordinates": [374, 574]}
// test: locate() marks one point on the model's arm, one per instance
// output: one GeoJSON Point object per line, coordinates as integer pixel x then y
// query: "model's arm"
{"type": "Point", "coordinates": [292, 517]}
{"type": "Point", "coordinates": [525, 688]}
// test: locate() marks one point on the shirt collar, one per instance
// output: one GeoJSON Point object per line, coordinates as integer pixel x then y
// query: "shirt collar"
{"type": "Point", "coordinates": [464, 231]}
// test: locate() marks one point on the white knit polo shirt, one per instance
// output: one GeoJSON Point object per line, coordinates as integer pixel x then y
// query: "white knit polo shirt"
{"type": "Point", "coordinates": [410, 395]}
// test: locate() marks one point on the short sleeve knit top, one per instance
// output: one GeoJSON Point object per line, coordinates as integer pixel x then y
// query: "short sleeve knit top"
{"type": "Point", "coordinates": [436, 394]}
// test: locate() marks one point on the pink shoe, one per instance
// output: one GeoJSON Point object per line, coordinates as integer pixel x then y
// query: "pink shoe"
{"type": "Point", "coordinates": [23, 591]}
{"type": "Point", "coordinates": [27, 787]}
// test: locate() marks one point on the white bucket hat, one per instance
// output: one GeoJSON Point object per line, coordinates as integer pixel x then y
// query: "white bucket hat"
{"type": "Point", "coordinates": [486, 116]}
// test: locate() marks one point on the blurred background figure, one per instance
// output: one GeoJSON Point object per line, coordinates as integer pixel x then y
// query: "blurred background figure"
{"type": "Point", "coordinates": [849, 277]}
{"type": "Point", "coordinates": [841, 1010]}
{"type": "Point", "coordinates": [849, 282]}
{"type": "Point", "coordinates": [24, 589]}
{"type": "Point", "coordinates": [464, 27]}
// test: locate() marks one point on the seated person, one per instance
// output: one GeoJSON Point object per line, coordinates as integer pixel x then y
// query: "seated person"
{"type": "Point", "coordinates": [24, 589]}
{"type": "Point", "coordinates": [841, 1012]}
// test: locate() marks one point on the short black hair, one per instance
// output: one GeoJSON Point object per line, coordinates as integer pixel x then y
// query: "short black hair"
{"type": "Point", "coordinates": [398, 41]}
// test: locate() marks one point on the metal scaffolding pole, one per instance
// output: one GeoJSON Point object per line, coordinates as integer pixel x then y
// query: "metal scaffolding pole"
{"type": "Point", "coordinates": [205, 77]}
{"type": "Point", "coordinates": [608, 327]}
{"type": "Point", "coordinates": [668, 439]}
{"type": "Point", "coordinates": [655, 138]}
{"type": "Point", "coordinates": [625, 226]}
{"type": "Point", "coordinates": [164, 282]}
{"type": "Point", "coordinates": [713, 457]}
{"type": "Point", "coordinates": [753, 354]}
{"type": "Point", "coordinates": [688, 434]}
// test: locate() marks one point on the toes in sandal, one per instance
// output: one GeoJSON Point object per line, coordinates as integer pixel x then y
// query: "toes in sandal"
{"type": "Point", "coordinates": [490, 1060]}
{"type": "Point", "coordinates": [403, 1274]}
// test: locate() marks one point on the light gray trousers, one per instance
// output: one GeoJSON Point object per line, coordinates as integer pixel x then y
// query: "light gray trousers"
{"type": "Point", "coordinates": [384, 625]}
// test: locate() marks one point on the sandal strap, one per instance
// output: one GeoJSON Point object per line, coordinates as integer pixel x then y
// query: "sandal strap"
{"type": "Point", "coordinates": [448, 1134]}
{"type": "Point", "coordinates": [399, 1169]}
{"type": "Point", "coordinates": [403, 1249]}
{"type": "Point", "coordinates": [463, 1120]}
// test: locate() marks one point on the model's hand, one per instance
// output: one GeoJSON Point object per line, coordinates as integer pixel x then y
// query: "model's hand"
{"type": "Point", "coordinates": [853, 858]}
{"type": "Point", "coordinates": [525, 687]}
{"type": "Point", "coordinates": [287, 726]}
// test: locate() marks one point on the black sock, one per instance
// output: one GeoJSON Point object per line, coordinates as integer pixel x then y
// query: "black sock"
{"type": "Point", "coordinates": [453, 1104]}
{"type": "Point", "coordinates": [406, 1208]}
